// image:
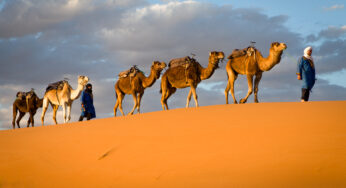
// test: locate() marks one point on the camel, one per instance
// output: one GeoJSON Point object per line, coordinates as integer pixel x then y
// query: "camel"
{"type": "Point", "coordinates": [187, 76]}
{"type": "Point", "coordinates": [251, 63]}
{"type": "Point", "coordinates": [26, 102]}
{"type": "Point", "coordinates": [135, 86]}
{"type": "Point", "coordinates": [63, 97]}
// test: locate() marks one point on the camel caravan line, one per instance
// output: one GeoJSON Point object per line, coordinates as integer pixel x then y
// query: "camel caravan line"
{"type": "Point", "coordinates": [181, 73]}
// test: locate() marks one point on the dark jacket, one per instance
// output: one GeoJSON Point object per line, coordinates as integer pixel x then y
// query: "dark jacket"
{"type": "Point", "coordinates": [87, 104]}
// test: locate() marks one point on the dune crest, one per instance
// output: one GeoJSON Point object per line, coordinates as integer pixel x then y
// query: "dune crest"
{"type": "Point", "coordinates": [250, 145]}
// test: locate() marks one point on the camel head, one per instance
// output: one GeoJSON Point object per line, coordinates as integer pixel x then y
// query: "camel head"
{"type": "Point", "coordinates": [215, 57]}
{"type": "Point", "coordinates": [158, 67]}
{"type": "Point", "coordinates": [83, 80]}
{"type": "Point", "coordinates": [278, 47]}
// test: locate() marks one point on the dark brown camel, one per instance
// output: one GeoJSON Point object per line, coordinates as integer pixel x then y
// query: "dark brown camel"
{"type": "Point", "coordinates": [27, 102]}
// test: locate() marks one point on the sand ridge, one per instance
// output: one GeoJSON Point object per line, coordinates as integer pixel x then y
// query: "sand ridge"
{"type": "Point", "coordinates": [251, 145]}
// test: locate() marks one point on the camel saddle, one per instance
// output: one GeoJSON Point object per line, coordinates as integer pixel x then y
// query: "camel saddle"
{"type": "Point", "coordinates": [183, 61]}
{"type": "Point", "coordinates": [131, 72]}
{"type": "Point", "coordinates": [56, 85]}
{"type": "Point", "coordinates": [249, 51]}
{"type": "Point", "coordinates": [21, 95]}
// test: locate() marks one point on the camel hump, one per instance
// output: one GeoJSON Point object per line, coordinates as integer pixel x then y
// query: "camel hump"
{"type": "Point", "coordinates": [181, 61]}
{"type": "Point", "coordinates": [55, 86]}
{"type": "Point", "coordinates": [249, 51]}
{"type": "Point", "coordinates": [130, 72]}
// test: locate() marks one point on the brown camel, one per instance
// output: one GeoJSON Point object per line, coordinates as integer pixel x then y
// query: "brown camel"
{"type": "Point", "coordinates": [187, 76]}
{"type": "Point", "coordinates": [251, 63]}
{"type": "Point", "coordinates": [27, 102]}
{"type": "Point", "coordinates": [135, 86]}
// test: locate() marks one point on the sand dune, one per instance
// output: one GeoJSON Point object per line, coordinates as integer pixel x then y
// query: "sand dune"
{"type": "Point", "coordinates": [251, 145]}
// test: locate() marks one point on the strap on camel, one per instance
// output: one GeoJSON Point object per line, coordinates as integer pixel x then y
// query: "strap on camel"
{"type": "Point", "coordinates": [183, 62]}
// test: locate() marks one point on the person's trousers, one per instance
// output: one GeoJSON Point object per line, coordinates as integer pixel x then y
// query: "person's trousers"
{"type": "Point", "coordinates": [87, 115]}
{"type": "Point", "coordinates": [305, 94]}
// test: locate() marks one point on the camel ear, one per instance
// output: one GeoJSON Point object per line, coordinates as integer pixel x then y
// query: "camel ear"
{"type": "Point", "coordinates": [153, 63]}
{"type": "Point", "coordinates": [275, 44]}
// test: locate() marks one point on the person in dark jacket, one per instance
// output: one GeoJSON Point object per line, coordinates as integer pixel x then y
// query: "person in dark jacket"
{"type": "Point", "coordinates": [306, 73]}
{"type": "Point", "coordinates": [87, 104]}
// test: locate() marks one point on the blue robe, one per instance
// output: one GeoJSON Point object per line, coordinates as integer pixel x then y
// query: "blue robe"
{"type": "Point", "coordinates": [87, 105]}
{"type": "Point", "coordinates": [306, 70]}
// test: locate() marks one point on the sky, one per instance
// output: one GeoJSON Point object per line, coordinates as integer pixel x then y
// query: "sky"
{"type": "Point", "coordinates": [43, 41]}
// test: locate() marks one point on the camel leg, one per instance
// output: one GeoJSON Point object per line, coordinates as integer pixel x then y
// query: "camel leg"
{"type": "Point", "coordinates": [230, 86]}
{"type": "Point", "coordinates": [44, 109]}
{"type": "Point", "coordinates": [116, 105]}
{"type": "Point", "coordinates": [64, 107]}
{"type": "Point", "coordinates": [121, 97]}
{"type": "Point", "coordinates": [134, 95]}
{"type": "Point", "coordinates": [250, 86]}
{"type": "Point", "coordinates": [193, 88]}
{"type": "Point", "coordinates": [21, 114]}
{"type": "Point", "coordinates": [164, 97]}
{"type": "Point", "coordinates": [188, 98]}
{"type": "Point", "coordinates": [55, 109]}
{"type": "Point", "coordinates": [257, 81]}
{"type": "Point", "coordinates": [32, 120]}
{"type": "Point", "coordinates": [164, 92]}
{"type": "Point", "coordinates": [169, 93]}
{"type": "Point", "coordinates": [14, 116]}
{"type": "Point", "coordinates": [139, 99]}
{"type": "Point", "coordinates": [69, 106]}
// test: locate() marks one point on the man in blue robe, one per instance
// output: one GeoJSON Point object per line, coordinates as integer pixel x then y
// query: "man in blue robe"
{"type": "Point", "coordinates": [87, 104]}
{"type": "Point", "coordinates": [306, 73]}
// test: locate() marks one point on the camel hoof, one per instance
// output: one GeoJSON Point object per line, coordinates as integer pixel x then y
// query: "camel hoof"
{"type": "Point", "coordinates": [256, 101]}
{"type": "Point", "coordinates": [242, 101]}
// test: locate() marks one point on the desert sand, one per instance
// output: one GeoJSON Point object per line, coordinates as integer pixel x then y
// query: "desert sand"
{"type": "Point", "coordinates": [251, 145]}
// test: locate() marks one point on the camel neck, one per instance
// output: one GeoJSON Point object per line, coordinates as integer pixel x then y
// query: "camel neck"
{"type": "Point", "coordinates": [266, 64]}
{"type": "Point", "coordinates": [150, 80]}
{"type": "Point", "coordinates": [75, 93]}
{"type": "Point", "coordinates": [209, 71]}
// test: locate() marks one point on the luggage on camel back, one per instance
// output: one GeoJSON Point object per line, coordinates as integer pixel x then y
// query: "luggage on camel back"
{"type": "Point", "coordinates": [249, 51]}
{"type": "Point", "coordinates": [21, 95]}
{"type": "Point", "coordinates": [56, 85]}
{"type": "Point", "coordinates": [131, 72]}
{"type": "Point", "coordinates": [183, 61]}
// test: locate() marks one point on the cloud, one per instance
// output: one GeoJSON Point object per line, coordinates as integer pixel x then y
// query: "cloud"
{"type": "Point", "coordinates": [332, 32]}
{"type": "Point", "coordinates": [333, 8]}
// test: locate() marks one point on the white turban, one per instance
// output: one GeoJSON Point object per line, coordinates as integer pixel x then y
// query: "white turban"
{"type": "Point", "coordinates": [306, 52]}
